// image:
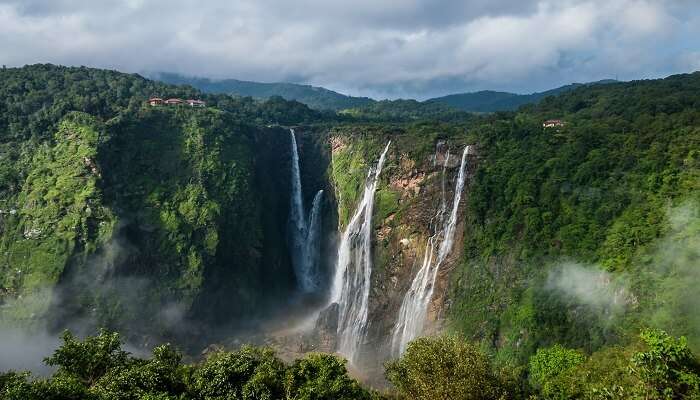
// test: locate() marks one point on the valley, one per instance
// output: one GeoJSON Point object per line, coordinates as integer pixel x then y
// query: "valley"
{"type": "Point", "coordinates": [267, 222]}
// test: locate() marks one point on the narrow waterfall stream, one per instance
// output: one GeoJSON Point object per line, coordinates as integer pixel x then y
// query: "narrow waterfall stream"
{"type": "Point", "coordinates": [304, 231]}
{"type": "Point", "coordinates": [351, 283]}
{"type": "Point", "coordinates": [414, 308]}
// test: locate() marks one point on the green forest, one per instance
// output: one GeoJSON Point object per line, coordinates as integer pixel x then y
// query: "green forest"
{"type": "Point", "coordinates": [577, 279]}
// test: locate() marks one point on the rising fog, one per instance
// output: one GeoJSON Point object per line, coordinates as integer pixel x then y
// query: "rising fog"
{"type": "Point", "coordinates": [669, 267]}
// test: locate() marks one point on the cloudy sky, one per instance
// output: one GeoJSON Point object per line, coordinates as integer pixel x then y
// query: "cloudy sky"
{"type": "Point", "coordinates": [380, 48]}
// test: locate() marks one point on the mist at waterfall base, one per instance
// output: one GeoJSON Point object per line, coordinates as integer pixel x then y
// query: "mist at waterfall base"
{"type": "Point", "coordinates": [351, 283]}
{"type": "Point", "coordinates": [414, 308]}
{"type": "Point", "coordinates": [24, 348]}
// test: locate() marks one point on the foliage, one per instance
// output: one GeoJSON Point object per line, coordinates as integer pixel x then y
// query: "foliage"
{"type": "Point", "coordinates": [247, 374]}
{"type": "Point", "coordinates": [601, 191]}
{"type": "Point", "coordinates": [657, 367]}
{"type": "Point", "coordinates": [161, 377]}
{"type": "Point", "coordinates": [88, 360]}
{"type": "Point", "coordinates": [667, 367]}
{"type": "Point", "coordinates": [547, 364]}
{"type": "Point", "coordinates": [321, 377]}
{"type": "Point", "coordinates": [444, 368]}
{"type": "Point", "coordinates": [98, 369]}
{"type": "Point", "coordinates": [406, 111]}
{"type": "Point", "coordinates": [550, 362]}
{"type": "Point", "coordinates": [62, 211]}
{"type": "Point", "coordinates": [99, 192]}
{"type": "Point", "coordinates": [315, 97]}
{"type": "Point", "coordinates": [490, 101]}
{"type": "Point", "coordinates": [14, 385]}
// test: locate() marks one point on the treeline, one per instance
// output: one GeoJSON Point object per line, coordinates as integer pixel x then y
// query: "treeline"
{"type": "Point", "coordinates": [656, 366]}
{"type": "Point", "coordinates": [317, 98]}
{"type": "Point", "coordinates": [406, 111]}
{"type": "Point", "coordinates": [33, 98]}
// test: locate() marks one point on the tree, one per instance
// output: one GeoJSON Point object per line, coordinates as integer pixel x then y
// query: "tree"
{"type": "Point", "coordinates": [161, 377]}
{"type": "Point", "coordinates": [445, 367]}
{"type": "Point", "coordinates": [551, 363]}
{"type": "Point", "coordinates": [322, 377]}
{"type": "Point", "coordinates": [248, 374]}
{"type": "Point", "coordinates": [89, 360]}
{"type": "Point", "coordinates": [14, 386]}
{"type": "Point", "coordinates": [667, 368]}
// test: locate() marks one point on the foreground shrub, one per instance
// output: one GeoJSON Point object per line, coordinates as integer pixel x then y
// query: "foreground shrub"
{"type": "Point", "coordinates": [322, 377]}
{"type": "Point", "coordinates": [161, 377]}
{"type": "Point", "coordinates": [248, 374]}
{"type": "Point", "coordinates": [666, 367]}
{"type": "Point", "coordinates": [88, 360]}
{"type": "Point", "coordinates": [444, 368]}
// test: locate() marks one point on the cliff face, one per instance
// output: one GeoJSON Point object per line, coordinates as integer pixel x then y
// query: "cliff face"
{"type": "Point", "coordinates": [156, 219]}
{"type": "Point", "coordinates": [413, 183]}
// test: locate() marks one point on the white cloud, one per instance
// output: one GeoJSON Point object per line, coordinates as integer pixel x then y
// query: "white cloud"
{"type": "Point", "coordinates": [359, 45]}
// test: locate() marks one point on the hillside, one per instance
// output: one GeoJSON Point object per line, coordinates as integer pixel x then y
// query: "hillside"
{"type": "Point", "coordinates": [578, 236]}
{"type": "Point", "coordinates": [313, 96]}
{"type": "Point", "coordinates": [442, 108]}
{"type": "Point", "coordinates": [101, 192]}
{"type": "Point", "coordinates": [491, 101]}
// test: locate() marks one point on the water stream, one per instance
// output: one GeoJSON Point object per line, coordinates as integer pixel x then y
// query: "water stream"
{"type": "Point", "coordinates": [304, 231]}
{"type": "Point", "coordinates": [351, 283]}
{"type": "Point", "coordinates": [414, 308]}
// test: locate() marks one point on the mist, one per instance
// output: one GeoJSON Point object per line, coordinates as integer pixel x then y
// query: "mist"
{"type": "Point", "coordinates": [22, 350]}
{"type": "Point", "coordinates": [675, 268]}
{"type": "Point", "coordinates": [660, 288]}
{"type": "Point", "coordinates": [24, 347]}
{"type": "Point", "coordinates": [590, 286]}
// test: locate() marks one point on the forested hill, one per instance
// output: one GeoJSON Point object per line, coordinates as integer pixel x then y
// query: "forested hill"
{"type": "Point", "coordinates": [35, 97]}
{"type": "Point", "coordinates": [444, 107]}
{"type": "Point", "coordinates": [313, 96]}
{"type": "Point", "coordinates": [95, 182]}
{"type": "Point", "coordinates": [492, 101]}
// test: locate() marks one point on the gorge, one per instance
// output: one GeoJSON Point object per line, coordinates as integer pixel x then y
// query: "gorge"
{"type": "Point", "coordinates": [242, 221]}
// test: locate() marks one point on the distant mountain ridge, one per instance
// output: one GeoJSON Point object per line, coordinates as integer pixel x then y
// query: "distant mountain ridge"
{"type": "Point", "coordinates": [492, 101]}
{"type": "Point", "coordinates": [313, 96]}
{"type": "Point", "coordinates": [320, 98]}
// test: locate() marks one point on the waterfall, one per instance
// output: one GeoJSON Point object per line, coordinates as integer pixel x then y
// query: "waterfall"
{"type": "Point", "coordinates": [304, 232]}
{"type": "Point", "coordinates": [414, 307]}
{"type": "Point", "coordinates": [312, 248]}
{"type": "Point", "coordinates": [351, 283]}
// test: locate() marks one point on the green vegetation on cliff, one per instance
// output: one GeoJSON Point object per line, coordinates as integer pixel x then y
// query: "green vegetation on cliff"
{"type": "Point", "coordinates": [102, 195]}
{"type": "Point", "coordinates": [579, 235]}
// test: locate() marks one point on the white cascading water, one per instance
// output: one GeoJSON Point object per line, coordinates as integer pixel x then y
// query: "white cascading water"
{"type": "Point", "coordinates": [414, 307]}
{"type": "Point", "coordinates": [351, 283]}
{"type": "Point", "coordinates": [312, 249]}
{"type": "Point", "coordinates": [304, 232]}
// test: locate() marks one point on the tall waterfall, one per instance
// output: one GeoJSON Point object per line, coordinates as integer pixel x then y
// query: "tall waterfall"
{"type": "Point", "coordinates": [312, 250]}
{"type": "Point", "coordinates": [304, 232]}
{"type": "Point", "coordinates": [414, 307]}
{"type": "Point", "coordinates": [351, 283]}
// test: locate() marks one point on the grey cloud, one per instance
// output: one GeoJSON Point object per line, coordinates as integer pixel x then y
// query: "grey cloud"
{"type": "Point", "coordinates": [394, 48]}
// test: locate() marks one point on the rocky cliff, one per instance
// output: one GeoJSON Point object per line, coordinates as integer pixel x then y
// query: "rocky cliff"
{"type": "Point", "coordinates": [416, 178]}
